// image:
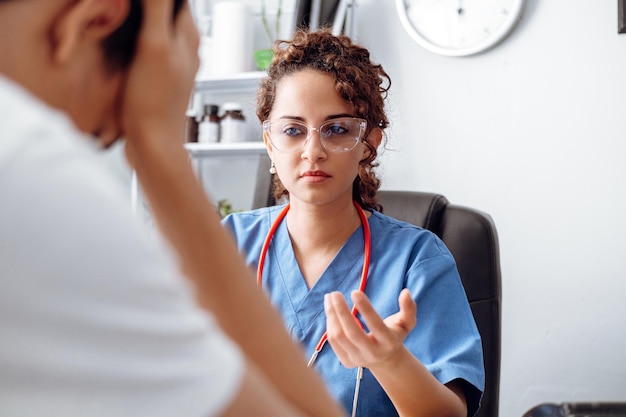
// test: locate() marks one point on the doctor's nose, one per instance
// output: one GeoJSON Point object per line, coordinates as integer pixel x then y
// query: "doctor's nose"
{"type": "Point", "coordinates": [313, 148]}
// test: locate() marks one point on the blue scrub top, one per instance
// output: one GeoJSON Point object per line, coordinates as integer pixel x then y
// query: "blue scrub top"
{"type": "Point", "coordinates": [445, 338]}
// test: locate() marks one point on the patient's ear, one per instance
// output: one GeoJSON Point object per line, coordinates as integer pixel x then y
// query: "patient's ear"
{"type": "Point", "coordinates": [86, 21]}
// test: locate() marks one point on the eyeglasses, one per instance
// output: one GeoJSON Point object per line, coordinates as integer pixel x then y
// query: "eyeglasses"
{"type": "Point", "coordinates": [336, 135]}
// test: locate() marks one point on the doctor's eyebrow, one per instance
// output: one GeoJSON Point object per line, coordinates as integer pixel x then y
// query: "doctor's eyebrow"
{"type": "Point", "coordinates": [302, 119]}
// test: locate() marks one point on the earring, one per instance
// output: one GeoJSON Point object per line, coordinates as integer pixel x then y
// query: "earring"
{"type": "Point", "coordinates": [273, 168]}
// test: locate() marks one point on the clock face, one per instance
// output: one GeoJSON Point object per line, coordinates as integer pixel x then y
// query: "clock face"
{"type": "Point", "coordinates": [459, 27]}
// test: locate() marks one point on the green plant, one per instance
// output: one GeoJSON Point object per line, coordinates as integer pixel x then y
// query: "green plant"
{"type": "Point", "coordinates": [266, 25]}
{"type": "Point", "coordinates": [225, 208]}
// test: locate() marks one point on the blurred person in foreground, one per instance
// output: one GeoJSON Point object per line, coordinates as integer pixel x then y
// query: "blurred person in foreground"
{"type": "Point", "coordinates": [97, 317]}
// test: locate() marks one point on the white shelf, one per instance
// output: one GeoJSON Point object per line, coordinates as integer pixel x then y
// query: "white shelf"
{"type": "Point", "coordinates": [245, 81]}
{"type": "Point", "coordinates": [239, 149]}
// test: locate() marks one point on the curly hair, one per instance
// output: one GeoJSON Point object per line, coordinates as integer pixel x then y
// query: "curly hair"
{"type": "Point", "coordinates": [358, 80]}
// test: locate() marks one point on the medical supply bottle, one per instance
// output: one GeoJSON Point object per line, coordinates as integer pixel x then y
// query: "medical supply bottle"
{"type": "Point", "coordinates": [191, 126]}
{"type": "Point", "coordinates": [209, 128]}
{"type": "Point", "coordinates": [233, 124]}
{"type": "Point", "coordinates": [193, 116]}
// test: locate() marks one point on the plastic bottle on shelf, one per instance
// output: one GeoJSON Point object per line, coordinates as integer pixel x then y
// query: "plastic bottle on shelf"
{"type": "Point", "coordinates": [233, 123]}
{"type": "Point", "coordinates": [233, 37]}
{"type": "Point", "coordinates": [209, 128]}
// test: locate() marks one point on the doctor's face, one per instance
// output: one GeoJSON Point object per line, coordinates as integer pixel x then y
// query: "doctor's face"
{"type": "Point", "coordinates": [314, 173]}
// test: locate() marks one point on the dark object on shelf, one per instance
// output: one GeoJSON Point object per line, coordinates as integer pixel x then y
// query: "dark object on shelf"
{"type": "Point", "coordinates": [316, 13]}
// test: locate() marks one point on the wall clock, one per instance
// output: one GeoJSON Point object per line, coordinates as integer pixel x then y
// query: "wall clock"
{"type": "Point", "coordinates": [459, 27]}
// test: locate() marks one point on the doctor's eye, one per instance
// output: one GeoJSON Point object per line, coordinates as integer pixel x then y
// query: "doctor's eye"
{"type": "Point", "coordinates": [293, 130]}
{"type": "Point", "coordinates": [334, 129]}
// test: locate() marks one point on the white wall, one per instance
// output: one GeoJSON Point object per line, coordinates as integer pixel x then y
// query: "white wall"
{"type": "Point", "coordinates": [531, 132]}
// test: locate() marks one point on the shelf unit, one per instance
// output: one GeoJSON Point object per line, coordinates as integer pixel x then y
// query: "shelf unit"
{"type": "Point", "coordinates": [243, 82]}
{"type": "Point", "coordinates": [263, 181]}
{"type": "Point", "coordinates": [220, 150]}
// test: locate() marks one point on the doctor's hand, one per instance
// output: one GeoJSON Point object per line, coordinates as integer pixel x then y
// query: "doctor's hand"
{"type": "Point", "coordinates": [353, 346]}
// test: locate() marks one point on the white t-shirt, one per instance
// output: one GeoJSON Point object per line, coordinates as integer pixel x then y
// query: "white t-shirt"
{"type": "Point", "coordinates": [95, 317]}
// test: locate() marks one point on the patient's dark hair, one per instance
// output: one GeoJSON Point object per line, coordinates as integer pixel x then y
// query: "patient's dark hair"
{"type": "Point", "coordinates": [361, 82]}
{"type": "Point", "coordinates": [119, 48]}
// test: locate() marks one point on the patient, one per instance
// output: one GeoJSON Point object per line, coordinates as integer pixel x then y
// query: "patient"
{"type": "Point", "coordinates": [96, 317]}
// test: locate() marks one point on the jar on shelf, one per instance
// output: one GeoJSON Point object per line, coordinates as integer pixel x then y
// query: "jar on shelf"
{"type": "Point", "coordinates": [209, 128]}
{"type": "Point", "coordinates": [233, 123]}
{"type": "Point", "coordinates": [193, 117]}
{"type": "Point", "coordinates": [191, 126]}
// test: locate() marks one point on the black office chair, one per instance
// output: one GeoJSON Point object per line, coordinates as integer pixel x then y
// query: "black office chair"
{"type": "Point", "coordinates": [472, 239]}
{"type": "Point", "coordinates": [578, 409]}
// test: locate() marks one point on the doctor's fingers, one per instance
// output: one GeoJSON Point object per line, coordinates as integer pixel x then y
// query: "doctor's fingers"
{"type": "Point", "coordinates": [402, 322]}
{"type": "Point", "coordinates": [344, 345]}
{"type": "Point", "coordinates": [346, 356]}
{"type": "Point", "coordinates": [340, 322]}
{"type": "Point", "coordinates": [351, 344]}
{"type": "Point", "coordinates": [378, 328]}
{"type": "Point", "coordinates": [386, 337]}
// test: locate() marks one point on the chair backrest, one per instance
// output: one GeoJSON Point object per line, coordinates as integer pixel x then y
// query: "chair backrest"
{"type": "Point", "coordinates": [471, 237]}
{"type": "Point", "coordinates": [574, 409]}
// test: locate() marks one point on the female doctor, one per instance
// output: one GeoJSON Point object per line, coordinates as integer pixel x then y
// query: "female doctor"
{"type": "Point", "coordinates": [348, 280]}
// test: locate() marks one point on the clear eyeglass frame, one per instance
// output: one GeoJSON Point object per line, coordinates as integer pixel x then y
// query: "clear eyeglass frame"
{"type": "Point", "coordinates": [300, 134]}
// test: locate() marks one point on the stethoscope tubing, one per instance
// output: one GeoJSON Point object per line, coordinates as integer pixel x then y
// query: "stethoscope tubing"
{"type": "Point", "coordinates": [367, 250]}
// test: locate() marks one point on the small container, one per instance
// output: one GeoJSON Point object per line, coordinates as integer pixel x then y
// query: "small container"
{"type": "Point", "coordinates": [209, 128]}
{"type": "Point", "coordinates": [233, 124]}
{"type": "Point", "coordinates": [191, 127]}
{"type": "Point", "coordinates": [193, 117]}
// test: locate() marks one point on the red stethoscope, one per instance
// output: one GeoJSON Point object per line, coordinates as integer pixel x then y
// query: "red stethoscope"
{"type": "Point", "coordinates": [362, 283]}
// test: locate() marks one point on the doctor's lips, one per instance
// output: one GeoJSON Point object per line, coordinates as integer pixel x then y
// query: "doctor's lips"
{"type": "Point", "coordinates": [315, 174]}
